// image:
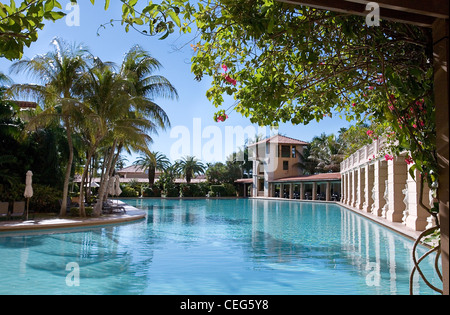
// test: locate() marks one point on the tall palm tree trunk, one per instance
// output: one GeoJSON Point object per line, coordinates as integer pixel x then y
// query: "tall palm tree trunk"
{"type": "Point", "coordinates": [63, 210]}
{"type": "Point", "coordinates": [104, 185]}
{"type": "Point", "coordinates": [83, 179]}
{"type": "Point", "coordinates": [151, 176]}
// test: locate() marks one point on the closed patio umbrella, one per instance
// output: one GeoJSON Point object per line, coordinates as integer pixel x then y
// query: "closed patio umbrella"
{"type": "Point", "coordinates": [111, 188]}
{"type": "Point", "coordinates": [118, 191]}
{"type": "Point", "coordinates": [28, 188]}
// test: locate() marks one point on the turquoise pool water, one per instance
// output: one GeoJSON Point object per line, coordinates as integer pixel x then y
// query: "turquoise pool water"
{"type": "Point", "coordinates": [215, 247]}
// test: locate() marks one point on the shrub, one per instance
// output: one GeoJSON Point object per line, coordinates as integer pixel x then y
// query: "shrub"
{"type": "Point", "coordinates": [185, 190]}
{"type": "Point", "coordinates": [152, 192]}
{"type": "Point", "coordinates": [45, 199]}
{"type": "Point", "coordinates": [217, 191]}
{"type": "Point", "coordinates": [230, 190]}
{"type": "Point", "coordinates": [75, 211]}
{"type": "Point", "coordinates": [89, 211]}
{"type": "Point", "coordinates": [225, 190]}
{"type": "Point", "coordinates": [129, 192]}
{"type": "Point", "coordinates": [172, 191]}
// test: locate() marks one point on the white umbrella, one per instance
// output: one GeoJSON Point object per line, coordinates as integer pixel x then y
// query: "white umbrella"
{"type": "Point", "coordinates": [118, 191]}
{"type": "Point", "coordinates": [111, 189]}
{"type": "Point", "coordinates": [28, 189]}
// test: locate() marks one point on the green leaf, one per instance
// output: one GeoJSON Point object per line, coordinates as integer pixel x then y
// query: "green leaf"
{"type": "Point", "coordinates": [174, 17]}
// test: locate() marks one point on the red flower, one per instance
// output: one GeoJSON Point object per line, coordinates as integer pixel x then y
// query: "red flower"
{"type": "Point", "coordinates": [409, 160]}
{"type": "Point", "coordinates": [230, 80]}
{"type": "Point", "coordinates": [388, 157]}
{"type": "Point", "coordinates": [370, 87]}
{"type": "Point", "coordinates": [370, 133]}
{"type": "Point", "coordinates": [225, 68]}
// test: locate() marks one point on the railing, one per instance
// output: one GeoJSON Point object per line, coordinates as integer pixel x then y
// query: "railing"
{"type": "Point", "coordinates": [364, 155]}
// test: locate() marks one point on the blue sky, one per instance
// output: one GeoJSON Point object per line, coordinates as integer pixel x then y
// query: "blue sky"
{"type": "Point", "coordinates": [193, 130]}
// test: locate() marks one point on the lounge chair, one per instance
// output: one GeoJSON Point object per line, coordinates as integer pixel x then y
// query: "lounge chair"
{"type": "Point", "coordinates": [111, 208]}
{"type": "Point", "coordinates": [70, 204]}
{"type": "Point", "coordinates": [4, 209]}
{"type": "Point", "coordinates": [18, 209]}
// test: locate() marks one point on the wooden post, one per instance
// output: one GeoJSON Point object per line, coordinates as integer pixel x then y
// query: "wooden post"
{"type": "Point", "coordinates": [441, 95]}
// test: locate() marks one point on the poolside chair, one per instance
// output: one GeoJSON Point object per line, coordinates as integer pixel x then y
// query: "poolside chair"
{"type": "Point", "coordinates": [4, 209]}
{"type": "Point", "coordinates": [111, 208]}
{"type": "Point", "coordinates": [70, 204]}
{"type": "Point", "coordinates": [18, 209]}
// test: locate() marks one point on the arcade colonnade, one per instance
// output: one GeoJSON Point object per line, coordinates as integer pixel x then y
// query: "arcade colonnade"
{"type": "Point", "coordinates": [384, 187]}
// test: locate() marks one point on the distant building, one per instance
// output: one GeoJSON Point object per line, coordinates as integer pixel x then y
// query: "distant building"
{"type": "Point", "coordinates": [136, 173]}
{"type": "Point", "coordinates": [278, 172]}
{"type": "Point", "coordinates": [26, 109]}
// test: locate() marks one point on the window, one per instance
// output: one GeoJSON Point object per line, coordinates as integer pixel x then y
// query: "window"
{"type": "Point", "coordinates": [285, 165]}
{"type": "Point", "coordinates": [261, 168]}
{"type": "Point", "coordinates": [285, 151]}
{"type": "Point", "coordinates": [294, 151]}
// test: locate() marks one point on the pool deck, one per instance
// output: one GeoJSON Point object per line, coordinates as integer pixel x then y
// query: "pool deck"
{"type": "Point", "coordinates": [132, 214]}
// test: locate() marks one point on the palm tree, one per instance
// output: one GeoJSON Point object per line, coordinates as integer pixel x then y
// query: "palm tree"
{"type": "Point", "coordinates": [189, 166]}
{"type": "Point", "coordinates": [151, 163]}
{"type": "Point", "coordinates": [111, 119]}
{"type": "Point", "coordinates": [138, 67]}
{"type": "Point", "coordinates": [326, 152]}
{"type": "Point", "coordinates": [4, 79]}
{"type": "Point", "coordinates": [59, 71]}
{"type": "Point", "coordinates": [140, 115]}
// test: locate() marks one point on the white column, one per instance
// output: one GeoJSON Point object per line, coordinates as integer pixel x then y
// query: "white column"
{"type": "Point", "coordinates": [349, 188]}
{"type": "Point", "coordinates": [353, 188]}
{"type": "Point", "coordinates": [368, 201]}
{"type": "Point", "coordinates": [380, 176]}
{"type": "Point", "coordinates": [417, 215]}
{"type": "Point", "coordinates": [397, 176]}
{"type": "Point", "coordinates": [360, 188]}
{"type": "Point", "coordinates": [328, 192]}
{"type": "Point", "coordinates": [343, 182]}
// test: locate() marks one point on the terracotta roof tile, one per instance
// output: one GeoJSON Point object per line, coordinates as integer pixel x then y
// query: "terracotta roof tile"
{"type": "Point", "coordinates": [282, 140]}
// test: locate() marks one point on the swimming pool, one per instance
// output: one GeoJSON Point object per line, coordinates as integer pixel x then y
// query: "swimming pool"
{"type": "Point", "coordinates": [215, 247]}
